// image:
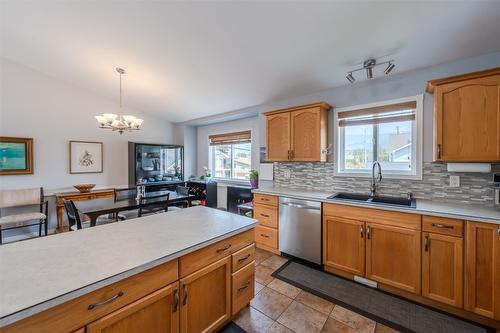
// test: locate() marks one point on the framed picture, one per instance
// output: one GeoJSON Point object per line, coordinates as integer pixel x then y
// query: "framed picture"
{"type": "Point", "coordinates": [16, 156]}
{"type": "Point", "coordinates": [85, 157]}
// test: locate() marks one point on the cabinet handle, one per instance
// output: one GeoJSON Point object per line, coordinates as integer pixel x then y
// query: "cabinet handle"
{"type": "Point", "coordinates": [223, 248]}
{"type": "Point", "coordinates": [291, 154]}
{"type": "Point", "coordinates": [244, 286]}
{"type": "Point", "coordinates": [264, 235]}
{"type": "Point", "coordinates": [244, 258]}
{"type": "Point", "coordinates": [176, 299]}
{"type": "Point", "coordinates": [264, 215]}
{"type": "Point", "coordinates": [109, 300]}
{"type": "Point", "coordinates": [498, 231]}
{"type": "Point", "coordinates": [368, 232]}
{"type": "Point", "coordinates": [264, 199]}
{"type": "Point", "coordinates": [362, 231]}
{"type": "Point", "coordinates": [439, 151]}
{"type": "Point", "coordinates": [445, 226]}
{"type": "Point", "coordinates": [288, 154]}
{"type": "Point", "coordinates": [426, 246]}
{"type": "Point", "coordinates": [184, 294]}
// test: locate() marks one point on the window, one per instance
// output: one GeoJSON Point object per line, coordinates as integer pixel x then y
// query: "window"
{"type": "Point", "coordinates": [231, 155]}
{"type": "Point", "coordinates": [385, 132]}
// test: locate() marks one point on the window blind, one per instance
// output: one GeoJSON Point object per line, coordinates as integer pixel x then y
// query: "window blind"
{"type": "Point", "coordinates": [378, 115]}
{"type": "Point", "coordinates": [230, 138]}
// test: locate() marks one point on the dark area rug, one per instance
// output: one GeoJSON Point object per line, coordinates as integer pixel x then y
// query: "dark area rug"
{"type": "Point", "coordinates": [392, 311]}
{"type": "Point", "coordinates": [232, 328]}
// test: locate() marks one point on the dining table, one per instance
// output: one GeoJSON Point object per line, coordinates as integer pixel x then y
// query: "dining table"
{"type": "Point", "coordinates": [98, 207]}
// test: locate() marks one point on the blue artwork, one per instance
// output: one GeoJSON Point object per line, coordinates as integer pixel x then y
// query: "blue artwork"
{"type": "Point", "coordinates": [13, 156]}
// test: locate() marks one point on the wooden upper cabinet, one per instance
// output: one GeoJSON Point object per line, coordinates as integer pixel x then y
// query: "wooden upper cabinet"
{"type": "Point", "coordinates": [205, 298]}
{"type": "Point", "coordinates": [442, 268]}
{"type": "Point", "coordinates": [467, 117]}
{"type": "Point", "coordinates": [278, 137]}
{"type": "Point", "coordinates": [482, 261]}
{"type": "Point", "coordinates": [157, 312]}
{"type": "Point", "coordinates": [344, 244]}
{"type": "Point", "coordinates": [298, 134]}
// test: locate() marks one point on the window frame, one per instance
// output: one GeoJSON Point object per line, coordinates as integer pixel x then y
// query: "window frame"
{"type": "Point", "coordinates": [212, 159]}
{"type": "Point", "coordinates": [417, 137]}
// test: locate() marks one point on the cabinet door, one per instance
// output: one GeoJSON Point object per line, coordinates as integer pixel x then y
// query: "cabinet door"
{"type": "Point", "coordinates": [157, 312]}
{"type": "Point", "coordinates": [482, 262]}
{"type": "Point", "coordinates": [306, 134]}
{"type": "Point", "coordinates": [467, 118]}
{"type": "Point", "coordinates": [344, 244]}
{"type": "Point", "coordinates": [442, 268]}
{"type": "Point", "coordinates": [278, 137]}
{"type": "Point", "coordinates": [393, 256]}
{"type": "Point", "coordinates": [206, 298]}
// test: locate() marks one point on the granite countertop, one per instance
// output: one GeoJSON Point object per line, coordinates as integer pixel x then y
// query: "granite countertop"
{"type": "Point", "coordinates": [40, 273]}
{"type": "Point", "coordinates": [470, 212]}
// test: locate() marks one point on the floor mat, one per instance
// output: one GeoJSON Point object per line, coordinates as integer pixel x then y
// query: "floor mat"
{"type": "Point", "coordinates": [232, 328]}
{"type": "Point", "coordinates": [398, 313]}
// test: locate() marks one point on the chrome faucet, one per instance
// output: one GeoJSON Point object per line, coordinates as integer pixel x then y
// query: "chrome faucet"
{"type": "Point", "coordinates": [375, 180]}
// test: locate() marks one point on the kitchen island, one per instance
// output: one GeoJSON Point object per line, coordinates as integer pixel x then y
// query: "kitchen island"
{"type": "Point", "coordinates": [96, 277]}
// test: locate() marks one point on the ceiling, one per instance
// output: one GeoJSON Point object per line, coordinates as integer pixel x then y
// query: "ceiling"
{"type": "Point", "coordinates": [187, 60]}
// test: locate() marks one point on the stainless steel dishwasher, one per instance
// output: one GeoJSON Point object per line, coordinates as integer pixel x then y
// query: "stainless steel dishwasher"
{"type": "Point", "coordinates": [300, 229]}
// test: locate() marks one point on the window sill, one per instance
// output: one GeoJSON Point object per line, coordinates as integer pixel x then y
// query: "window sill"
{"type": "Point", "coordinates": [384, 175]}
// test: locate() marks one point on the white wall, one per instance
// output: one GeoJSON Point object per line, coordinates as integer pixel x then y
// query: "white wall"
{"type": "Point", "coordinates": [186, 135]}
{"type": "Point", "coordinates": [251, 124]}
{"type": "Point", "coordinates": [52, 112]}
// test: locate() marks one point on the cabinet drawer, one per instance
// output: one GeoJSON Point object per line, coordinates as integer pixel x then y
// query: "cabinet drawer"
{"type": "Point", "coordinates": [265, 199]}
{"type": "Point", "coordinates": [443, 226]}
{"type": "Point", "coordinates": [266, 236]}
{"type": "Point", "coordinates": [194, 261]}
{"type": "Point", "coordinates": [243, 257]}
{"type": "Point", "coordinates": [243, 286]}
{"type": "Point", "coordinates": [267, 215]}
{"type": "Point", "coordinates": [80, 311]}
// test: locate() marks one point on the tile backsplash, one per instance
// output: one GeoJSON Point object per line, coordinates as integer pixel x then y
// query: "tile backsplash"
{"type": "Point", "coordinates": [475, 188]}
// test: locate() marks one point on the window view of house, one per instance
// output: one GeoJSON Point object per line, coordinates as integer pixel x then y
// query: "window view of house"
{"type": "Point", "coordinates": [388, 137]}
{"type": "Point", "coordinates": [231, 155]}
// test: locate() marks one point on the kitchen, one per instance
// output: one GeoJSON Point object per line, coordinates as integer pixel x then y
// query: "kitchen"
{"type": "Point", "coordinates": [364, 202]}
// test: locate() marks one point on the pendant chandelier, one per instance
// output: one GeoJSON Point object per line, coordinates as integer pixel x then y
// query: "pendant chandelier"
{"type": "Point", "coordinates": [119, 123]}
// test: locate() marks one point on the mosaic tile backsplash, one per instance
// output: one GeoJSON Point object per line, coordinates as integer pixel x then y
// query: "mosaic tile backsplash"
{"type": "Point", "coordinates": [475, 188]}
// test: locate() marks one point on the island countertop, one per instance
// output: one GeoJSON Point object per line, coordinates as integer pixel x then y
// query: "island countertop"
{"type": "Point", "coordinates": [41, 273]}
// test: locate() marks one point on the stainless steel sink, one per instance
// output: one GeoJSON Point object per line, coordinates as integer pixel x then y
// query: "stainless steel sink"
{"type": "Point", "coordinates": [378, 200]}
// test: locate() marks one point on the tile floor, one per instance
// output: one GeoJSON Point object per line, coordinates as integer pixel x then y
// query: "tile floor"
{"type": "Point", "coordinates": [279, 307]}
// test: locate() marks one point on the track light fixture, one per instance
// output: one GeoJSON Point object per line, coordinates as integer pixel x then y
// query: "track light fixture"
{"type": "Point", "coordinates": [368, 66]}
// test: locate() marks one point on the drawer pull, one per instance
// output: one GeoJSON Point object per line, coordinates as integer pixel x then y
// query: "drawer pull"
{"type": "Point", "coordinates": [426, 243]}
{"type": "Point", "coordinates": [244, 286]}
{"type": "Point", "coordinates": [176, 299]}
{"type": "Point", "coordinates": [264, 215]}
{"type": "Point", "coordinates": [362, 231]}
{"type": "Point", "coordinates": [223, 248]}
{"type": "Point", "coordinates": [184, 294]}
{"type": "Point", "coordinates": [244, 258]}
{"type": "Point", "coordinates": [368, 232]}
{"type": "Point", "coordinates": [264, 199]}
{"type": "Point", "coordinates": [440, 225]}
{"type": "Point", "coordinates": [109, 300]}
{"type": "Point", "coordinates": [264, 235]}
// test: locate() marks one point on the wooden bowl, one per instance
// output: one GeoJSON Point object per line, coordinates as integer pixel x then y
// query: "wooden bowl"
{"type": "Point", "coordinates": [83, 188]}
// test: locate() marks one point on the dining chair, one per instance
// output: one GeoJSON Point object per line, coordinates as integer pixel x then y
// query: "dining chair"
{"type": "Point", "coordinates": [75, 218]}
{"type": "Point", "coordinates": [153, 204]}
{"type": "Point", "coordinates": [182, 190]}
{"type": "Point", "coordinates": [19, 198]}
{"type": "Point", "coordinates": [126, 194]}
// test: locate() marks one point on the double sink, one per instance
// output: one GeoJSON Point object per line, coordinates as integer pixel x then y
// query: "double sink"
{"type": "Point", "coordinates": [379, 200]}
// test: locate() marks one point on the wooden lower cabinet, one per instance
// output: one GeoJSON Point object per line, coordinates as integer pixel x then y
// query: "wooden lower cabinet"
{"type": "Point", "coordinates": [442, 268]}
{"type": "Point", "coordinates": [482, 278]}
{"type": "Point", "coordinates": [393, 256]}
{"type": "Point", "coordinates": [205, 298]}
{"type": "Point", "coordinates": [243, 285]}
{"type": "Point", "coordinates": [344, 244]}
{"type": "Point", "coordinates": [157, 312]}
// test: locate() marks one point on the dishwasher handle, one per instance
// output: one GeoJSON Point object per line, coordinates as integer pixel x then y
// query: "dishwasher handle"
{"type": "Point", "coordinates": [299, 206]}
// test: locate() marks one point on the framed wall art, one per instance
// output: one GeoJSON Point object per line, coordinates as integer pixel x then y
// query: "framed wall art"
{"type": "Point", "coordinates": [16, 156]}
{"type": "Point", "coordinates": [85, 157]}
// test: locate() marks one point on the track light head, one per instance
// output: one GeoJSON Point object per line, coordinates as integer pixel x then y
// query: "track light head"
{"type": "Point", "coordinates": [350, 77]}
{"type": "Point", "coordinates": [369, 73]}
{"type": "Point", "coordinates": [389, 68]}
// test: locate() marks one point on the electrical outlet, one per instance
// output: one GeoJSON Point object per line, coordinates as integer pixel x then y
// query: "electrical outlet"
{"type": "Point", "coordinates": [288, 173]}
{"type": "Point", "coordinates": [454, 181]}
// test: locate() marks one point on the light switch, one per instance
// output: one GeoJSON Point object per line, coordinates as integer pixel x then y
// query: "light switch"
{"type": "Point", "coordinates": [454, 181]}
